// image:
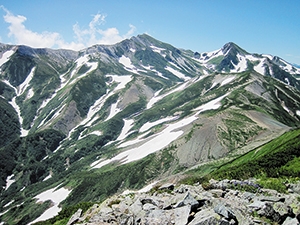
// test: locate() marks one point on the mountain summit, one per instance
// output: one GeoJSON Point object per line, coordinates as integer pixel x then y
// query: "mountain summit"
{"type": "Point", "coordinates": [84, 125]}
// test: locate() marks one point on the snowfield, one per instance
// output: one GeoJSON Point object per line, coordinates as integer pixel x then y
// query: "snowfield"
{"type": "Point", "coordinates": [56, 196]}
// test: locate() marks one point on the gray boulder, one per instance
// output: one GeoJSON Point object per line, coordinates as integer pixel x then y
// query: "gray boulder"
{"type": "Point", "coordinates": [225, 212]}
{"type": "Point", "coordinates": [206, 217]}
{"type": "Point", "coordinates": [291, 221]}
{"type": "Point", "coordinates": [75, 217]}
{"type": "Point", "coordinates": [187, 200]}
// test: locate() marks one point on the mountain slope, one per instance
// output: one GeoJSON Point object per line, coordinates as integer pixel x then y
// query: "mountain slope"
{"type": "Point", "coordinates": [107, 118]}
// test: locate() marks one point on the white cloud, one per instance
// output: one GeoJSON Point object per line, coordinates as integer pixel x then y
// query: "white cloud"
{"type": "Point", "coordinates": [83, 37]}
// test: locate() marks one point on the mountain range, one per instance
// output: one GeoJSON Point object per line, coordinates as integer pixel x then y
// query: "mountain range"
{"type": "Point", "coordinates": [83, 125]}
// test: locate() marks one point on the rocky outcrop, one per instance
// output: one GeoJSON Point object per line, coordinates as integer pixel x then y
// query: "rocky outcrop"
{"type": "Point", "coordinates": [221, 203]}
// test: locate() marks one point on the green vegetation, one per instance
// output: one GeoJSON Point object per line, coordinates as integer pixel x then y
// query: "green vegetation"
{"type": "Point", "coordinates": [101, 183]}
{"type": "Point", "coordinates": [9, 123]}
{"type": "Point", "coordinates": [274, 162]}
{"type": "Point", "coordinates": [64, 215]}
{"type": "Point", "coordinates": [93, 87]}
{"type": "Point", "coordinates": [24, 155]}
{"type": "Point", "coordinates": [238, 130]}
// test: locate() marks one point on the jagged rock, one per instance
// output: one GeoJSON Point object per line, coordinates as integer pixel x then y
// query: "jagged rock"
{"type": "Point", "coordinates": [269, 212]}
{"type": "Point", "coordinates": [167, 187]}
{"type": "Point", "coordinates": [191, 205]}
{"type": "Point", "coordinates": [206, 217]}
{"type": "Point", "coordinates": [225, 212]}
{"type": "Point", "coordinates": [272, 199]}
{"type": "Point", "coordinates": [75, 217]}
{"type": "Point", "coordinates": [291, 221]}
{"type": "Point", "coordinates": [257, 204]}
{"type": "Point", "coordinates": [188, 200]}
{"type": "Point", "coordinates": [295, 188]}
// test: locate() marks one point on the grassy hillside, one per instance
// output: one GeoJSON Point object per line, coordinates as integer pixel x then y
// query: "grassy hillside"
{"type": "Point", "coordinates": [273, 164]}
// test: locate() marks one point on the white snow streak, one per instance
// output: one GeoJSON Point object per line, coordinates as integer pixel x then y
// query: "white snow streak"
{"type": "Point", "coordinates": [128, 124]}
{"type": "Point", "coordinates": [177, 73]}
{"type": "Point", "coordinates": [153, 99]}
{"type": "Point", "coordinates": [149, 125]}
{"type": "Point", "coordinates": [6, 56]}
{"type": "Point", "coordinates": [22, 87]}
{"type": "Point", "coordinates": [227, 80]}
{"type": "Point", "coordinates": [48, 177]}
{"type": "Point", "coordinates": [113, 110]}
{"type": "Point", "coordinates": [9, 181]}
{"type": "Point", "coordinates": [157, 49]}
{"type": "Point", "coordinates": [56, 196]}
{"type": "Point", "coordinates": [213, 104]}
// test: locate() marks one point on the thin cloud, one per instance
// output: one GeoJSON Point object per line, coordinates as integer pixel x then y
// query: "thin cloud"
{"type": "Point", "coordinates": [83, 37]}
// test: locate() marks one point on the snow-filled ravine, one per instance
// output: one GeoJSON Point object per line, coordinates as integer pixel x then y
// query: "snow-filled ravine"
{"type": "Point", "coordinates": [158, 141]}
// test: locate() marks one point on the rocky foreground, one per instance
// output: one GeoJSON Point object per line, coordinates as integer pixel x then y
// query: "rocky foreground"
{"type": "Point", "coordinates": [220, 202]}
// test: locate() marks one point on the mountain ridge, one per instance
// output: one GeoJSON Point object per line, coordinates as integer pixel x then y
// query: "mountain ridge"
{"type": "Point", "coordinates": [131, 113]}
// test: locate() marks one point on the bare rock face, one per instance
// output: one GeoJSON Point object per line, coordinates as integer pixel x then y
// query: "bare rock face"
{"type": "Point", "coordinates": [192, 205]}
{"type": "Point", "coordinates": [69, 120]}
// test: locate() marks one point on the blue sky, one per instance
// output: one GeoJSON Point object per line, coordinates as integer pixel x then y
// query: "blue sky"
{"type": "Point", "coordinates": [258, 26]}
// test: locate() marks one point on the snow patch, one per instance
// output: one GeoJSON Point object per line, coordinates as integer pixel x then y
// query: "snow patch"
{"type": "Point", "coordinates": [96, 132]}
{"type": "Point", "coordinates": [26, 82]}
{"type": "Point", "coordinates": [260, 67]}
{"type": "Point", "coordinates": [6, 56]}
{"type": "Point", "coordinates": [8, 204]}
{"type": "Point", "coordinates": [127, 63]}
{"type": "Point", "coordinates": [30, 93]}
{"type": "Point", "coordinates": [177, 73]}
{"type": "Point", "coordinates": [128, 124]}
{"type": "Point", "coordinates": [227, 80]}
{"type": "Point", "coordinates": [241, 66]}
{"type": "Point", "coordinates": [56, 196]}
{"type": "Point", "coordinates": [17, 108]}
{"type": "Point", "coordinates": [113, 110]}
{"type": "Point", "coordinates": [157, 49]}
{"type": "Point", "coordinates": [48, 177]}
{"type": "Point", "coordinates": [213, 104]}
{"type": "Point", "coordinates": [9, 181]}
{"type": "Point", "coordinates": [287, 80]}
{"type": "Point", "coordinates": [149, 125]}
{"type": "Point", "coordinates": [154, 99]}
{"type": "Point", "coordinates": [252, 58]}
